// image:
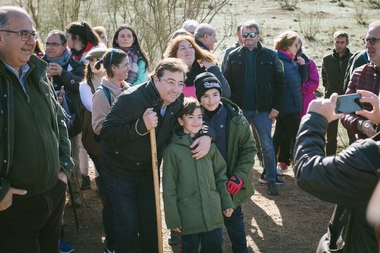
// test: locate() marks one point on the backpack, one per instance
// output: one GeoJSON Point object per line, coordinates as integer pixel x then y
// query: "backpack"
{"type": "Point", "coordinates": [90, 140]}
{"type": "Point", "coordinates": [106, 92]}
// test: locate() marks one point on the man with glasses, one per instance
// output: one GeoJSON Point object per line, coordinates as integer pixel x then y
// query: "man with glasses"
{"type": "Point", "coordinates": [35, 150]}
{"type": "Point", "coordinates": [125, 152]}
{"type": "Point", "coordinates": [365, 77]}
{"type": "Point", "coordinates": [66, 73]}
{"type": "Point", "coordinates": [257, 83]}
{"type": "Point", "coordinates": [334, 68]}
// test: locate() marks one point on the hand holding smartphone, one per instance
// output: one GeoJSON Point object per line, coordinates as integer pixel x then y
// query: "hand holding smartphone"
{"type": "Point", "coordinates": [348, 103]}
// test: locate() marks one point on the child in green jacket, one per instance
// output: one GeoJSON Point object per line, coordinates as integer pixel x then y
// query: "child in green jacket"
{"type": "Point", "coordinates": [194, 191]}
{"type": "Point", "coordinates": [234, 140]}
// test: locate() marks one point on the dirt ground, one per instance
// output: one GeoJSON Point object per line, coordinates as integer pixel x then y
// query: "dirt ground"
{"type": "Point", "coordinates": [291, 222]}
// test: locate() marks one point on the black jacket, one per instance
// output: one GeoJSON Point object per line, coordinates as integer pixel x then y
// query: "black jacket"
{"type": "Point", "coordinates": [269, 78]}
{"type": "Point", "coordinates": [124, 152]}
{"type": "Point", "coordinates": [347, 179]}
{"type": "Point", "coordinates": [72, 75]}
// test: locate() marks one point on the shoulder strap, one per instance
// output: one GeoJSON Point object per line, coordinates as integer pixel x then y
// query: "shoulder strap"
{"type": "Point", "coordinates": [106, 92]}
{"type": "Point", "coordinates": [282, 65]}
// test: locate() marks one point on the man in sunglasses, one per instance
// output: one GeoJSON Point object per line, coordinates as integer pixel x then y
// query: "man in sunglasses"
{"type": "Point", "coordinates": [257, 82]}
{"type": "Point", "coordinates": [365, 77]}
{"type": "Point", "coordinates": [334, 68]}
{"type": "Point", "coordinates": [35, 149]}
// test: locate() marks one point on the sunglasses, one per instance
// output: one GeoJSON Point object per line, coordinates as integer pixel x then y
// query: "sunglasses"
{"type": "Point", "coordinates": [371, 41]}
{"type": "Point", "coordinates": [251, 34]}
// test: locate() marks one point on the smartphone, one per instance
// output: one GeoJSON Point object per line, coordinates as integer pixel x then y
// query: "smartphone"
{"type": "Point", "coordinates": [348, 103]}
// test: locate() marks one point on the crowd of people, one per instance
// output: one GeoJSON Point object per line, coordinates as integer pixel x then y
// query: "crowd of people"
{"type": "Point", "coordinates": [79, 99]}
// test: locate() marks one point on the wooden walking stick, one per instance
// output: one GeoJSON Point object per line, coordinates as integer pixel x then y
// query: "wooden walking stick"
{"type": "Point", "coordinates": [153, 148]}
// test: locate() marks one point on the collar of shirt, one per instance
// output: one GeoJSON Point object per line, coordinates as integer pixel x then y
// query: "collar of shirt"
{"type": "Point", "coordinates": [24, 69]}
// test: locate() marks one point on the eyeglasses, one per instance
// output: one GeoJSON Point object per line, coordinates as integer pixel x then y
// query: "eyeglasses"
{"type": "Point", "coordinates": [172, 84]}
{"type": "Point", "coordinates": [47, 44]}
{"type": "Point", "coordinates": [25, 35]}
{"type": "Point", "coordinates": [251, 34]}
{"type": "Point", "coordinates": [371, 41]}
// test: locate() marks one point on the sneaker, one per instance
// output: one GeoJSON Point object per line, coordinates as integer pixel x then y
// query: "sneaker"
{"type": "Point", "coordinates": [86, 182]}
{"type": "Point", "coordinates": [262, 180]}
{"type": "Point", "coordinates": [272, 188]}
{"type": "Point", "coordinates": [106, 250]}
{"type": "Point", "coordinates": [173, 238]}
{"type": "Point", "coordinates": [64, 247]}
{"type": "Point", "coordinates": [282, 168]}
{"type": "Point", "coordinates": [77, 202]}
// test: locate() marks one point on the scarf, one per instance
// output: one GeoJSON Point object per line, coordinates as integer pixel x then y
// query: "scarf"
{"type": "Point", "coordinates": [133, 56]}
{"type": "Point", "coordinates": [287, 53]}
{"type": "Point", "coordinates": [61, 60]}
{"type": "Point", "coordinates": [78, 54]}
{"type": "Point", "coordinates": [195, 70]}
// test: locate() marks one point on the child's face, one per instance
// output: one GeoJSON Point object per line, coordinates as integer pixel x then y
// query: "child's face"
{"type": "Point", "coordinates": [210, 100]}
{"type": "Point", "coordinates": [192, 123]}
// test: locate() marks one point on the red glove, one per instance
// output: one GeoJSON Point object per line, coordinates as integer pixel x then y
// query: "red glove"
{"type": "Point", "coordinates": [234, 185]}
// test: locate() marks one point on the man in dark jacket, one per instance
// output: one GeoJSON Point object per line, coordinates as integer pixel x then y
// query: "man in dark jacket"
{"type": "Point", "coordinates": [67, 73]}
{"type": "Point", "coordinates": [346, 179]}
{"type": "Point", "coordinates": [257, 83]}
{"type": "Point", "coordinates": [125, 154]}
{"type": "Point", "coordinates": [334, 68]}
{"type": "Point", "coordinates": [35, 150]}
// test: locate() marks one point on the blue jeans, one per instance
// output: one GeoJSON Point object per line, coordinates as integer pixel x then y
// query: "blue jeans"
{"type": "Point", "coordinates": [135, 226]}
{"type": "Point", "coordinates": [236, 231]}
{"type": "Point", "coordinates": [211, 242]}
{"type": "Point", "coordinates": [263, 127]}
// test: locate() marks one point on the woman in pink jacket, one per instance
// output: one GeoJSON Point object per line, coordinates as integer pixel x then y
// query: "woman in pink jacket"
{"type": "Point", "coordinates": [311, 83]}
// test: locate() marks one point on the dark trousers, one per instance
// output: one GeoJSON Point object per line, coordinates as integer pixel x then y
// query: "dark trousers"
{"type": "Point", "coordinates": [33, 223]}
{"type": "Point", "coordinates": [236, 231]}
{"type": "Point", "coordinates": [331, 137]}
{"type": "Point", "coordinates": [211, 242]}
{"type": "Point", "coordinates": [135, 225]}
{"type": "Point", "coordinates": [285, 153]}
{"type": "Point", "coordinates": [286, 129]}
{"type": "Point", "coordinates": [108, 212]}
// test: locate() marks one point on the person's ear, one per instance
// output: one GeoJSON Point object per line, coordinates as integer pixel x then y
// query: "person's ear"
{"type": "Point", "coordinates": [348, 42]}
{"type": "Point", "coordinates": [155, 79]}
{"type": "Point", "coordinates": [180, 121]}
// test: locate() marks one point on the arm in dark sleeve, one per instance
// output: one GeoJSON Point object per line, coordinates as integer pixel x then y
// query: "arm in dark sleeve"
{"type": "Point", "coordinates": [121, 123]}
{"type": "Point", "coordinates": [347, 178]}
{"type": "Point", "coordinates": [71, 79]}
{"type": "Point", "coordinates": [350, 120]}
{"type": "Point", "coordinates": [304, 72]}
{"type": "Point", "coordinates": [324, 75]}
{"type": "Point", "coordinates": [279, 83]}
{"type": "Point", "coordinates": [226, 91]}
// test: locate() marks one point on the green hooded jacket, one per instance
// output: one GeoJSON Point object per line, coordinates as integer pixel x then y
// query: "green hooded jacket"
{"type": "Point", "coordinates": [241, 151]}
{"type": "Point", "coordinates": [194, 191]}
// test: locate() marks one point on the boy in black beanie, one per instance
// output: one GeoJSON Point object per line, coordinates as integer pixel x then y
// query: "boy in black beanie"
{"type": "Point", "coordinates": [236, 143]}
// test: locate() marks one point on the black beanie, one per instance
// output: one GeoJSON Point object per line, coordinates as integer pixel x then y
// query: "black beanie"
{"type": "Point", "coordinates": [204, 82]}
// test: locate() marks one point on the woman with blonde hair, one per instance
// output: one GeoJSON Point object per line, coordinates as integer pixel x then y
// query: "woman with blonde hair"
{"type": "Point", "coordinates": [198, 61]}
